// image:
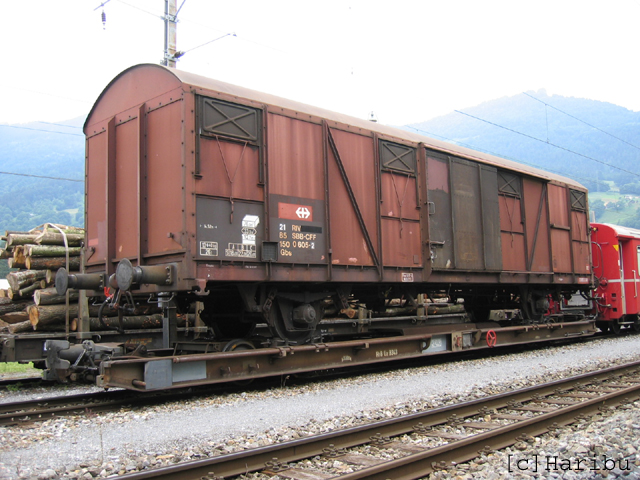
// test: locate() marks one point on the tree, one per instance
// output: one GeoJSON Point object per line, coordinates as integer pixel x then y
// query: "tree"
{"type": "Point", "coordinates": [633, 222]}
{"type": "Point", "coordinates": [631, 188]}
{"type": "Point", "coordinates": [598, 207]}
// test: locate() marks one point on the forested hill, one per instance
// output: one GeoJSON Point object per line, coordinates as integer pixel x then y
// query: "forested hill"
{"type": "Point", "coordinates": [36, 150]}
{"type": "Point", "coordinates": [574, 137]}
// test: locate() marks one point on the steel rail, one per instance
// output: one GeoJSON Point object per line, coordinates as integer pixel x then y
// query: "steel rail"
{"type": "Point", "coordinates": [29, 411]}
{"type": "Point", "coordinates": [8, 383]}
{"type": "Point", "coordinates": [36, 410]}
{"type": "Point", "coordinates": [21, 412]}
{"type": "Point", "coordinates": [256, 459]}
{"type": "Point", "coordinates": [420, 464]}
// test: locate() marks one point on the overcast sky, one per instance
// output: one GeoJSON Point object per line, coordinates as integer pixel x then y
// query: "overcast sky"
{"type": "Point", "coordinates": [407, 61]}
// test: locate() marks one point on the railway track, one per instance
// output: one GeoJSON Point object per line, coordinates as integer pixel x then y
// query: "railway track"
{"type": "Point", "coordinates": [413, 446]}
{"type": "Point", "coordinates": [13, 413]}
{"type": "Point", "coordinates": [41, 409]}
{"type": "Point", "coordinates": [29, 411]}
{"type": "Point", "coordinates": [9, 383]}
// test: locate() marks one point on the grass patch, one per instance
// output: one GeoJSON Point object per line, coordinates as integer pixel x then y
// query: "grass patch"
{"type": "Point", "coordinates": [620, 208]}
{"type": "Point", "coordinates": [18, 368]}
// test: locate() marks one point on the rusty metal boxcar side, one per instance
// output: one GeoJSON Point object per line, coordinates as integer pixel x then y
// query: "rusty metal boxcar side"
{"type": "Point", "coordinates": [224, 184]}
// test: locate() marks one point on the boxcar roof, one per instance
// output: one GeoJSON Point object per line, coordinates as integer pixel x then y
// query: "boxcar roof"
{"type": "Point", "coordinates": [198, 81]}
{"type": "Point", "coordinates": [619, 231]}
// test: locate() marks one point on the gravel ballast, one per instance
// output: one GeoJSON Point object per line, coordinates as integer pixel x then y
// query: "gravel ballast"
{"type": "Point", "coordinates": [102, 445]}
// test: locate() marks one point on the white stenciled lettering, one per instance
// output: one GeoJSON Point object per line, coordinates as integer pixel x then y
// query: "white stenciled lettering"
{"type": "Point", "coordinates": [304, 236]}
{"type": "Point", "coordinates": [240, 250]}
{"type": "Point", "coordinates": [209, 249]}
{"type": "Point", "coordinates": [386, 353]}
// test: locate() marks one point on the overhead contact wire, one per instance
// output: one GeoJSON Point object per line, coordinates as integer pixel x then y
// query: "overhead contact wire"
{"type": "Point", "coordinates": [582, 121]}
{"type": "Point", "coordinates": [548, 143]}
{"type": "Point", "coordinates": [473, 147]}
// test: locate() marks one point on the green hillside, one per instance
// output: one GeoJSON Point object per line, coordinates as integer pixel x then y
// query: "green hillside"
{"type": "Point", "coordinates": [594, 143]}
{"type": "Point", "coordinates": [615, 207]}
{"type": "Point", "coordinates": [41, 175]}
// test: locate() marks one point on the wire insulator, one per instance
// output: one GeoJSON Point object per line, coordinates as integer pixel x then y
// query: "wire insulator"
{"type": "Point", "coordinates": [104, 20]}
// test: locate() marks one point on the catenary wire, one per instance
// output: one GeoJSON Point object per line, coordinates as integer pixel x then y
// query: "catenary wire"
{"type": "Point", "coordinates": [207, 43]}
{"type": "Point", "coordinates": [48, 94]}
{"type": "Point", "coordinates": [41, 130]}
{"type": "Point", "coordinates": [548, 143]}
{"type": "Point", "coordinates": [57, 124]}
{"type": "Point", "coordinates": [580, 120]}
{"type": "Point", "coordinates": [41, 176]}
{"type": "Point", "coordinates": [473, 147]}
{"type": "Point", "coordinates": [141, 9]}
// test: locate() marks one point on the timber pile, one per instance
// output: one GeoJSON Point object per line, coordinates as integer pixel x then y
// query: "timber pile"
{"type": "Point", "coordinates": [31, 301]}
{"type": "Point", "coordinates": [37, 254]}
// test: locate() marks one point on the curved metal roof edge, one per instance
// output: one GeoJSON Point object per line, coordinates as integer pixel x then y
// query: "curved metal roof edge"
{"type": "Point", "coordinates": [276, 101]}
{"type": "Point", "coordinates": [620, 230]}
{"type": "Point", "coordinates": [116, 78]}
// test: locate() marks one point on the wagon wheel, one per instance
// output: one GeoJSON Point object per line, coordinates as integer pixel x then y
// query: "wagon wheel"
{"type": "Point", "coordinates": [283, 325]}
{"type": "Point", "coordinates": [533, 305]}
{"type": "Point", "coordinates": [238, 345]}
{"type": "Point", "coordinates": [615, 327]}
{"type": "Point", "coordinates": [636, 325]}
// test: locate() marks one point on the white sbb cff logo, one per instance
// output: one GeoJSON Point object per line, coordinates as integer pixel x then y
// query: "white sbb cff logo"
{"type": "Point", "coordinates": [303, 212]}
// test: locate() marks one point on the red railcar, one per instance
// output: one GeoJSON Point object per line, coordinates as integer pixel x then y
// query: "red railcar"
{"type": "Point", "coordinates": [616, 266]}
{"type": "Point", "coordinates": [261, 209]}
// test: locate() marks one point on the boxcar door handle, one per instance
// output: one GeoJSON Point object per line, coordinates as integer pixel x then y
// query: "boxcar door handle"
{"type": "Point", "coordinates": [635, 283]}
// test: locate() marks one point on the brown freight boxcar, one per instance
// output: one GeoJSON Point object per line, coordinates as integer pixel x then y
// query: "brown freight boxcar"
{"type": "Point", "coordinates": [263, 208]}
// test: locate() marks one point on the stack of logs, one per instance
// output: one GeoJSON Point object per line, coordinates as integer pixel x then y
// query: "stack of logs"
{"type": "Point", "coordinates": [31, 301]}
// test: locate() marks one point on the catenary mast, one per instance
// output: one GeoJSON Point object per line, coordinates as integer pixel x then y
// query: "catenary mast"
{"type": "Point", "coordinates": [170, 20]}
